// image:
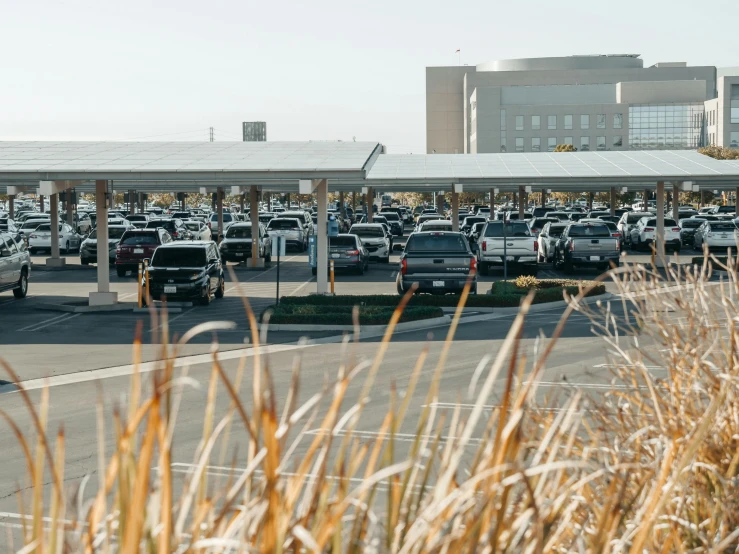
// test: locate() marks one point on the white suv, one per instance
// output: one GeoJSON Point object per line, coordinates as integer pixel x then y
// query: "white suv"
{"type": "Point", "coordinates": [643, 234]}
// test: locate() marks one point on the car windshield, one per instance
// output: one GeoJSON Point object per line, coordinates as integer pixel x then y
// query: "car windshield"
{"type": "Point", "coordinates": [723, 226]}
{"type": "Point", "coordinates": [113, 233]}
{"type": "Point", "coordinates": [556, 230]}
{"type": "Point", "coordinates": [691, 223]}
{"type": "Point", "coordinates": [164, 223]}
{"type": "Point", "coordinates": [193, 226]}
{"type": "Point", "coordinates": [137, 217]}
{"type": "Point", "coordinates": [635, 217]}
{"type": "Point", "coordinates": [342, 241]}
{"type": "Point", "coordinates": [367, 231]}
{"type": "Point", "coordinates": [589, 231]}
{"type": "Point", "coordinates": [179, 257]}
{"type": "Point", "coordinates": [473, 220]}
{"type": "Point", "coordinates": [135, 239]}
{"type": "Point", "coordinates": [440, 242]}
{"type": "Point", "coordinates": [379, 219]}
{"type": "Point", "coordinates": [391, 216]}
{"type": "Point", "coordinates": [283, 224]}
{"type": "Point", "coordinates": [226, 217]}
{"type": "Point", "coordinates": [31, 224]}
{"type": "Point", "coordinates": [495, 229]}
{"type": "Point", "coordinates": [434, 226]}
{"type": "Point", "coordinates": [239, 232]}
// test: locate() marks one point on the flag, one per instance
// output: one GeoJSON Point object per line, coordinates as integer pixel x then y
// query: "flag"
{"type": "Point", "coordinates": [457, 51]}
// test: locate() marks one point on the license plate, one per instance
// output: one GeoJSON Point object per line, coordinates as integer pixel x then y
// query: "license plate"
{"type": "Point", "coordinates": [594, 258]}
{"type": "Point", "coordinates": [239, 253]}
{"type": "Point", "coordinates": [438, 283]}
{"type": "Point", "coordinates": [170, 290]}
{"type": "Point", "coordinates": [138, 250]}
{"type": "Point", "coordinates": [336, 255]}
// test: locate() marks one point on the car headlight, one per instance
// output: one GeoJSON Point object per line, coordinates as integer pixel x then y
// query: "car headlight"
{"type": "Point", "coordinates": [196, 276]}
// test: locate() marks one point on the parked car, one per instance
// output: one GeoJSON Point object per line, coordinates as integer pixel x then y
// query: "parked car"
{"type": "Point", "coordinates": [374, 240]}
{"type": "Point", "coordinates": [716, 235]}
{"type": "Point", "coordinates": [136, 246]}
{"type": "Point", "coordinates": [8, 225]}
{"type": "Point", "coordinates": [688, 227]}
{"type": "Point", "coordinates": [302, 216]}
{"type": "Point", "coordinates": [612, 227]}
{"type": "Point", "coordinates": [15, 265]}
{"type": "Point", "coordinates": [423, 218]}
{"type": "Point", "coordinates": [474, 235]}
{"type": "Point", "coordinates": [138, 220]}
{"type": "Point", "coordinates": [186, 270]}
{"type": "Point", "coordinates": [435, 225]}
{"type": "Point", "coordinates": [347, 252]}
{"type": "Point", "coordinates": [394, 222]}
{"type": "Point", "coordinates": [645, 231]}
{"type": "Point", "coordinates": [588, 245]}
{"type": "Point", "coordinates": [513, 243]}
{"type": "Point", "coordinates": [228, 220]}
{"type": "Point", "coordinates": [198, 230]}
{"type": "Point", "coordinates": [175, 227]}
{"type": "Point", "coordinates": [537, 224]}
{"type": "Point", "coordinates": [89, 246]}
{"type": "Point", "coordinates": [469, 221]}
{"type": "Point", "coordinates": [40, 238]}
{"type": "Point", "coordinates": [547, 240]}
{"type": "Point", "coordinates": [291, 230]}
{"type": "Point", "coordinates": [540, 211]}
{"type": "Point", "coordinates": [628, 221]}
{"type": "Point", "coordinates": [438, 262]}
{"type": "Point", "coordinates": [236, 245]}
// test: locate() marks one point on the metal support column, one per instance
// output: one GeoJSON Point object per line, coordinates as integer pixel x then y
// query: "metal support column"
{"type": "Point", "coordinates": [543, 197]}
{"type": "Point", "coordinates": [440, 203]}
{"type": "Point", "coordinates": [369, 202]}
{"type": "Point", "coordinates": [11, 206]}
{"type": "Point", "coordinates": [256, 261]}
{"type": "Point", "coordinates": [521, 196]}
{"type": "Point", "coordinates": [103, 296]}
{"type": "Point", "coordinates": [675, 201]}
{"type": "Point", "coordinates": [646, 200]}
{"type": "Point", "coordinates": [492, 203]}
{"type": "Point", "coordinates": [131, 202]}
{"type": "Point", "coordinates": [242, 201]}
{"type": "Point", "coordinates": [342, 208]}
{"type": "Point", "coordinates": [322, 238]}
{"type": "Point", "coordinates": [54, 204]}
{"type": "Point", "coordinates": [612, 201]}
{"type": "Point", "coordinates": [736, 197]}
{"type": "Point", "coordinates": [703, 199]}
{"type": "Point", "coordinates": [41, 203]}
{"type": "Point", "coordinates": [659, 236]}
{"type": "Point", "coordinates": [219, 210]}
{"type": "Point", "coordinates": [183, 204]}
{"type": "Point", "coordinates": [455, 211]}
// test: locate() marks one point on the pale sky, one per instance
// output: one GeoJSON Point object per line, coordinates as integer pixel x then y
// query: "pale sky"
{"type": "Point", "coordinates": [320, 70]}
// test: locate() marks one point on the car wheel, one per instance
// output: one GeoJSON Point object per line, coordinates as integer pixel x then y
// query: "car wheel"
{"type": "Point", "coordinates": [221, 290]}
{"type": "Point", "coordinates": [121, 272]}
{"type": "Point", "coordinates": [568, 267]}
{"type": "Point", "coordinates": [32, 251]}
{"type": "Point", "coordinates": [385, 260]}
{"type": "Point", "coordinates": [22, 289]}
{"type": "Point", "coordinates": [205, 296]}
{"type": "Point", "coordinates": [483, 266]}
{"type": "Point", "coordinates": [399, 287]}
{"type": "Point", "coordinates": [360, 269]}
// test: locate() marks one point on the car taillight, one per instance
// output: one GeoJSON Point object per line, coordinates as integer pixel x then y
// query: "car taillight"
{"type": "Point", "coordinates": [676, 229]}
{"type": "Point", "coordinates": [352, 252]}
{"type": "Point", "coordinates": [536, 246]}
{"type": "Point", "coordinates": [485, 246]}
{"type": "Point", "coordinates": [473, 264]}
{"type": "Point", "coordinates": [535, 231]}
{"type": "Point", "coordinates": [33, 236]}
{"type": "Point", "coordinates": [210, 225]}
{"type": "Point", "coordinates": [647, 229]}
{"type": "Point", "coordinates": [617, 235]}
{"type": "Point", "coordinates": [709, 235]}
{"type": "Point", "coordinates": [175, 234]}
{"type": "Point", "coordinates": [403, 266]}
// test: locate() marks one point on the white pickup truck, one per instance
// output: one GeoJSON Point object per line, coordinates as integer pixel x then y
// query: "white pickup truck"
{"type": "Point", "coordinates": [514, 243]}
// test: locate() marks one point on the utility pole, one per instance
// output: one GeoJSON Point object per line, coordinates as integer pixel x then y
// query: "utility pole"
{"type": "Point", "coordinates": [211, 134]}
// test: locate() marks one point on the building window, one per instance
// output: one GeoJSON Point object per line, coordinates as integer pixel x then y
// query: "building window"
{"type": "Point", "coordinates": [503, 146]}
{"type": "Point", "coordinates": [600, 143]}
{"type": "Point", "coordinates": [519, 123]}
{"type": "Point", "coordinates": [584, 143]}
{"type": "Point", "coordinates": [551, 122]}
{"type": "Point", "coordinates": [568, 121]}
{"type": "Point", "coordinates": [618, 121]}
{"type": "Point", "coordinates": [735, 103]}
{"type": "Point", "coordinates": [535, 144]}
{"type": "Point", "coordinates": [672, 126]}
{"type": "Point", "coordinates": [519, 143]}
{"type": "Point", "coordinates": [734, 140]}
{"type": "Point", "coordinates": [502, 120]}
{"type": "Point", "coordinates": [618, 141]}
{"type": "Point", "coordinates": [568, 140]}
{"type": "Point", "coordinates": [584, 122]}
{"type": "Point", "coordinates": [535, 122]}
{"type": "Point", "coordinates": [551, 144]}
{"type": "Point", "coordinates": [601, 121]}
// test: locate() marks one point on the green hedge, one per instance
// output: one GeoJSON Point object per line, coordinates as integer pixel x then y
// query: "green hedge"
{"type": "Point", "coordinates": [511, 297]}
{"type": "Point", "coordinates": [287, 313]}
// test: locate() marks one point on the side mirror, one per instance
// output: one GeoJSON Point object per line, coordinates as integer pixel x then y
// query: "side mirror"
{"type": "Point", "coordinates": [4, 253]}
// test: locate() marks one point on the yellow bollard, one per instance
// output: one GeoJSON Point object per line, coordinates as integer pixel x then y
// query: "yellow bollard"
{"type": "Point", "coordinates": [140, 286]}
{"type": "Point", "coordinates": [146, 280]}
{"type": "Point", "coordinates": [332, 276]}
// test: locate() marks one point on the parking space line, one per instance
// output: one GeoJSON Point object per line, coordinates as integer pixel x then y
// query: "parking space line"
{"type": "Point", "coordinates": [171, 319]}
{"type": "Point", "coordinates": [260, 274]}
{"type": "Point", "coordinates": [402, 437]}
{"type": "Point", "coordinates": [50, 321]}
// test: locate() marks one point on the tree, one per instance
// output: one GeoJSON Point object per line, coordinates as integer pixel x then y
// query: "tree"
{"type": "Point", "coordinates": [565, 148]}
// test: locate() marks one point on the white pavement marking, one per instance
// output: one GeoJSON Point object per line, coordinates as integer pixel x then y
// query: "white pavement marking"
{"type": "Point", "coordinates": [51, 321]}
{"type": "Point", "coordinates": [260, 274]}
{"type": "Point", "coordinates": [123, 370]}
{"type": "Point", "coordinates": [12, 300]}
{"type": "Point", "coordinates": [402, 437]}
{"type": "Point", "coordinates": [293, 293]}
{"type": "Point", "coordinates": [577, 385]}
{"type": "Point", "coordinates": [171, 319]}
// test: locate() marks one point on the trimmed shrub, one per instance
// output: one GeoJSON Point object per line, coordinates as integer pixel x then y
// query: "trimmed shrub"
{"type": "Point", "coordinates": [526, 282]}
{"type": "Point", "coordinates": [342, 314]}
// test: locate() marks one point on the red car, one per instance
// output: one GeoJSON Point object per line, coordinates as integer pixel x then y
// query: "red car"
{"type": "Point", "coordinates": [136, 246]}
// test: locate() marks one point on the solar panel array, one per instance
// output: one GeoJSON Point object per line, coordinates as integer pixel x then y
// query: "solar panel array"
{"type": "Point", "coordinates": [183, 156]}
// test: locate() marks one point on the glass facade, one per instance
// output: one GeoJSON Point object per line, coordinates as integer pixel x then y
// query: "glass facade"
{"type": "Point", "coordinates": [536, 144]}
{"type": "Point", "coordinates": [502, 120]}
{"type": "Point", "coordinates": [503, 144]}
{"type": "Point", "coordinates": [551, 122]}
{"type": "Point", "coordinates": [519, 143]}
{"type": "Point", "coordinates": [535, 122]}
{"type": "Point", "coordinates": [618, 121]}
{"type": "Point", "coordinates": [734, 139]}
{"type": "Point", "coordinates": [584, 122]}
{"type": "Point", "coordinates": [618, 141]}
{"type": "Point", "coordinates": [519, 123]}
{"type": "Point", "coordinates": [601, 121]}
{"type": "Point", "coordinates": [584, 143]}
{"type": "Point", "coordinates": [551, 144]}
{"type": "Point", "coordinates": [568, 140]}
{"type": "Point", "coordinates": [600, 143]}
{"type": "Point", "coordinates": [735, 103]}
{"type": "Point", "coordinates": [665, 126]}
{"type": "Point", "coordinates": [568, 121]}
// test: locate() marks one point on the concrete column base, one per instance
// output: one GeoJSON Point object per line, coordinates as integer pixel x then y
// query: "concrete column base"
{"type": "Point", "coordinates": [56, 262]}
{"type": "Point", "coordinates": [103, 298]}
{"type": "Point", "coordinates": [258, 263]}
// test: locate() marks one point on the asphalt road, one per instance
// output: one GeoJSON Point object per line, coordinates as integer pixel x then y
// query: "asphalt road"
{"type": "Point", "coordinates": [84, 355]}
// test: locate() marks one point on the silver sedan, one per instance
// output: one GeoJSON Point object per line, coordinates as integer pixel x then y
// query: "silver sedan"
{"type": "Point", "coordinates": [199, 230]}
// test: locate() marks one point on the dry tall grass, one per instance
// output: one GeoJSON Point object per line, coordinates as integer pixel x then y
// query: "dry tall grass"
{"type": "Point", "coordinates": [650, 466]}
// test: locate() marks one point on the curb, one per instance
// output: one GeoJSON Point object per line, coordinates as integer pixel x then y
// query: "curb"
{"type": "Point", "coordinates": [82, 309]}
{"type": "Point", "coordinates": [407, 326]}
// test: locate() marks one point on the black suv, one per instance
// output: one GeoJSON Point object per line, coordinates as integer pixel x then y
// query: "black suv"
{"type": "Point", "coordinates": [186, 270]}
{"type": "Point", "coordinates": [15, 265]}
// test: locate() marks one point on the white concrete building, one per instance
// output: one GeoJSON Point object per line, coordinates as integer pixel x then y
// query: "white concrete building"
{"type": "Point", "coordinates": [593, 102]}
